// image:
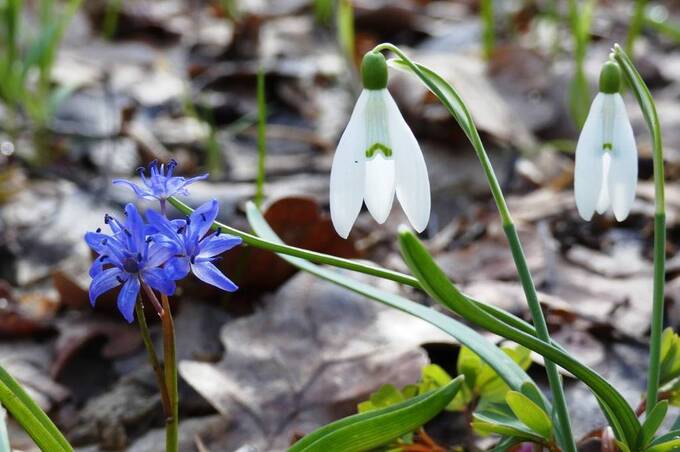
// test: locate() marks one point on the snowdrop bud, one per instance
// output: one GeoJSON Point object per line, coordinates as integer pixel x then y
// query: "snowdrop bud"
{"type": "Point", "coordinates": [610, 78]}
{"type": "Point", "coordinates": [606, 155]}
{"type": "Point", "coordinates": [374, 71]}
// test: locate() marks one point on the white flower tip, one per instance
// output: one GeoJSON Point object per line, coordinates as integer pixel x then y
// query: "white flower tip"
{"type": "Point", "coordinates": [342, 224]}
{"type": "Point", "coordinates": [586, 214]}
{"type": "Point", "coordinates": [419, 224]}
{"type": "Point", "coordinates": [621, 215]}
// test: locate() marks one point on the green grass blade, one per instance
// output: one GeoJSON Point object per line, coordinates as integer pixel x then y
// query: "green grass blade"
{"type": "Point", "coordinates": [345, 25]}
{"type": "Point", "coordinates": [366, 431]}
{"type": "Point", "coordinates": [261, 137]}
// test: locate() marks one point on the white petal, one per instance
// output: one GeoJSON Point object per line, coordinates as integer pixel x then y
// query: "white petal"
{"type": "Point", "coordinates": [379, 184]}
{"type": "Point", "coordinates": [588, 170]}
{"type": "Point", "coordinates": [624, 163]}
{"type": "Point", "coordinates": [347, 172]}
{"type": "Point", "coordinates": [412, 182]}
{"type": "Point", "coordinates": [603, 201]}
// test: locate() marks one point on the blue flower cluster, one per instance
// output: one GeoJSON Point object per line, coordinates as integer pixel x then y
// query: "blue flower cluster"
{"type": "Point", "coordinates": [158, 252]}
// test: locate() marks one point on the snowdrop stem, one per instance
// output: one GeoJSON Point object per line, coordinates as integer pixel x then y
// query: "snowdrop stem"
{"type": "Point", "coordinates": [153, 358]}
{"type": "Point", "coordinates": [646, 102]}
{"type": "Point", "coordinates": [463, 116]}
{"type": "Point", "coordinates": [470, 132]}
{"type": "Point", "coordinates": [170, 365]}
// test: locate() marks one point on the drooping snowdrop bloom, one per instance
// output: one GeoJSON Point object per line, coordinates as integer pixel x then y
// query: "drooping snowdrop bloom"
{"type": "Point", "coordinates": [606, 156]}
{"type": "Point", "coordinates": [377, 156]}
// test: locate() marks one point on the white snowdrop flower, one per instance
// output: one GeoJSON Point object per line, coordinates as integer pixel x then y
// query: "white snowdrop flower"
{"type": "Point", "coordinates": [377, 156]}
{"type": "Point", "coordinates": [606, 156]}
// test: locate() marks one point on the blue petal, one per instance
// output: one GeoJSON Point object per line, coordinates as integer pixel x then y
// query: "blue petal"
{"type": "Point", "coordinates": [135, 226]}
{"type": "Point", "coordinates": [159, 253]}
{"type": "Point", "coordinates": [127, 297]}
{"type": "Point", "coordinates": [158, 223]}
{"type": "Point", "coordinates": [96, 268]}
{"type": "Point", "coordinates": [158, 279]}
{"type": "Point", "coordinates": [105, 281]}
{"type": "Point", "coordinates": [95, 239]}
{"type": "Point", "coordinates": [207, 272]}
{"type": "Point", "coordinates": [218, 244]}
{"type": "Point", "coordinates": [177, 268]}
{"type": "Point", "coordinates": [177, 185]}
{"type": "Point", "coordinates": [139, 191]}
{"type": "Point", "coordinates": [203, 218]}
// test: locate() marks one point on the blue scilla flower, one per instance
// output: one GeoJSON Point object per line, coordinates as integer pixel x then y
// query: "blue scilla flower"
{"type": "Point", "coordinates": [160, 184]}
{"type": "Point", "coordinates": [197, 250]}
{"type": "Point", "coordinates": [130, 257]}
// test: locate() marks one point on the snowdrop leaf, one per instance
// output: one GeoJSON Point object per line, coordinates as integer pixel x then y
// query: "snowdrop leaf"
{"type": "Point", "coordinates": [439, 287]}
{"type": "Point", "coordinates": [511, 373]}
{"type": "Point", "coordinates": [368, 430]}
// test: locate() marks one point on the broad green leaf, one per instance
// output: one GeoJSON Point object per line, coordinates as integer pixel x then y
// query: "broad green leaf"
{"type": "Point", "coordinates": [440, 288]}
{"type": "Point", "coordinates": [670, 356]}
{"type": "Point", "coordinates": [500, 420]}
{"type": "Point", "coordinates": [470, 365]}
{"type": "Point", "coordinates": [530, 414]}
{"type": "Point", "coordinates": [433, 376]}
{"type": "Point", "coordinates": [366, 431]}
{"type": "Point", "coordinates": [492, 388]}
{"type": "Point", "coordinates": [385, 396]}
{"type": "Point", "coordinates": [653, 422]}
{"type": "Point", "coordinates": [501, 362]}
{"type": "Point", "coordinates": [672, 445]}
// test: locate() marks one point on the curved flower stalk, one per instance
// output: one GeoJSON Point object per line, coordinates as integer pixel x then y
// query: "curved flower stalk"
{"type": "Point", "coordinates": [606, 156]}
{"type": "Point", "coordinates": [377, 156]}
{"type": "Point", "coordinates": [646, 102]}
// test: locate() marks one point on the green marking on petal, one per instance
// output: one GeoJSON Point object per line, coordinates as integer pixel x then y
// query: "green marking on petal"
{"type": "Point", "coordinates": [378, 147]}
{"type": "Point", "coordinates": [607, 147]}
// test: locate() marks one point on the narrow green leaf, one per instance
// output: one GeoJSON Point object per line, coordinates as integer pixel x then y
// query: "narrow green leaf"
{"type": "Point", "coordinates": [530, 414]}
{"type": "Point", "coordinates": [672, 435]}
{"type": "Point", "coordinates": [366, 431]}
{"type": "Point", "coordinates": [437, 284]}
{"type": "Point", "coordinates": [652, 423]}
{"type": "Point", "coordinates": [25, 417]}
{"type": "Point", "coordinates": [496, 358]}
